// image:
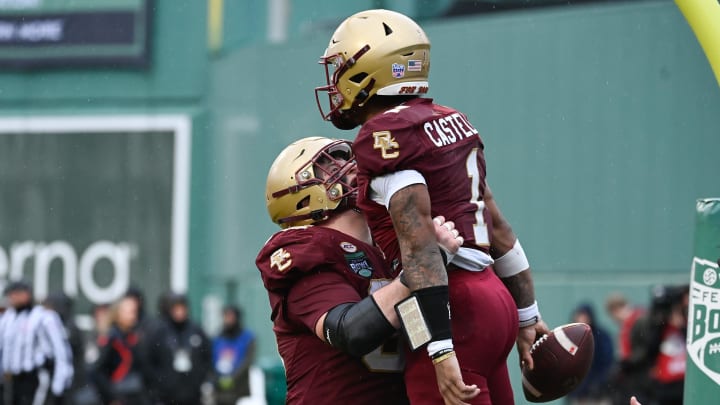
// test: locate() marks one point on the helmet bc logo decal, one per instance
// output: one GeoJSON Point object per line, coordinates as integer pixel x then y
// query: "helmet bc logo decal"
{"type": "Point", "coordinates": [703, 339]}
{"type": "Point", "coordinates": [398, 70]}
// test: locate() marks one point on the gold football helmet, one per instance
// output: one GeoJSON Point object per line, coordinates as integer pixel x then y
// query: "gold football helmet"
{"type": "Point", "coordinates": [373, 52]}
{"type": "Point", "coordinates": [309, 180]}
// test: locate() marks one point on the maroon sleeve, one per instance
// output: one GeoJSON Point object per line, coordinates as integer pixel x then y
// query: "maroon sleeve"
{"type": "Point", "coordinates": [291, 254]}
{"type": "Point", "coordinates": [387, 144]}
{"type": "Point", "coordinates": [315, 294]}
{"type": "Point", "coordinates": [294, 258]}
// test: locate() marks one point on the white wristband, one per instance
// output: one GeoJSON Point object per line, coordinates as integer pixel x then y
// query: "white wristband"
{"type": "Point", "coordinates": [437, 346]}
{"type": "Point", "coordinates": [529, 316]}
{"type": "Point", "coordinates": [512, 262]}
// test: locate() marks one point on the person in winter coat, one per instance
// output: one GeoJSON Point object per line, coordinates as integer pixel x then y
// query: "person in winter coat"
{"type": "Point", "coordinates": [118, 371]}
{"type": "Point", "coordinates": [233, 354]}
{"type": "Point", "coordinates": [178, 355]}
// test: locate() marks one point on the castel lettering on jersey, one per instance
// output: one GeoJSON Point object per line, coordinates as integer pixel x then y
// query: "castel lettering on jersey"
{"type": "Point", "coordinates": [449, 129]}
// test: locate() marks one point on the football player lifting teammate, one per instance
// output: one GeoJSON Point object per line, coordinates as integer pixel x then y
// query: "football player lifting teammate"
{"type": "Point", "coordinates": [417, 159]}
{"type": "Point", "coordinates": [332, 295]}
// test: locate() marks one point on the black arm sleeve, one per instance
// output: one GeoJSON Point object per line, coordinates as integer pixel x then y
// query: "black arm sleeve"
{"type": "Point", "coordinates": [357, 328]}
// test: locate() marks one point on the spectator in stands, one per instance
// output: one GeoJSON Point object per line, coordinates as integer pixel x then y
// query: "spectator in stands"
{"type": "Point", "coordinates": [178, 356]}
{"type": "Point", "coordinates": [625, 316]}
{"type": "Point", "coordinates": [233, 354]}
{"type": "Point", "coordinates": [655, 368]}
{"type": "Point", "coordinates": [629, 376]}
{"type": "Point", "coordinates": [36, 357]}
{"type": "Point", "coordinates": [594, 388]}
{"type": "Point", "coordinates": [137, 294]}
{"type": "Point", "coordinates": [63, 306]}
{"type": "Point", "coordinates": [118, 371]}
{"type": "Point", "coordinates": [102, 322]}
{"type": "Point", "coordinates": [668, 319]}
{"type": "Point", "coordinates": [88, 394]}
{"type": "Point", "coordinates": [146, 324]}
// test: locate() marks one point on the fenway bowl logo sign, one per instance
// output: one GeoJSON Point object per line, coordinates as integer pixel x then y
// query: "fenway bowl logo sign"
{"type": "Point", "coordinates": [703, 340]}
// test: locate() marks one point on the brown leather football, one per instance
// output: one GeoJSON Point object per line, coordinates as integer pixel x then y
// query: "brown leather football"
{"type": "Point", "coordinates": [562, 360]}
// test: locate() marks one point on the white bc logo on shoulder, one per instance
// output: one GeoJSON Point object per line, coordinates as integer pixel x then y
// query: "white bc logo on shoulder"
{"type": "Point", "coordinates": [703, 339]}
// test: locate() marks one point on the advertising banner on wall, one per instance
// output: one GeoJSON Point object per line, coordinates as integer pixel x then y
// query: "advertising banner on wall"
{"type": "Point", "coordinates": [93, 205]}
{"type": "Point", "coordinates": [41, 33]}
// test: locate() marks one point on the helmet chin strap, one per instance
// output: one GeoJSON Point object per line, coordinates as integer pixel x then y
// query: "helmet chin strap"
{"type": "Point", "coordinates": [347, 203]}
{"type": "Point", "coordinates": [342, 120]}
{"type": "Point", "coordinates": [316, 216]}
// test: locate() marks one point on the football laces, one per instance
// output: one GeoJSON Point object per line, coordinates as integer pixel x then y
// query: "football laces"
{"type": "Point", "coordinates": [538, 343]}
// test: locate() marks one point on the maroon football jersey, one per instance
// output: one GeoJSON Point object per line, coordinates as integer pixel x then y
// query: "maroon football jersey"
{"type": "Point", "coordinates": [441, 144]}
{"type": "Point", "coordinates": [307, 271]}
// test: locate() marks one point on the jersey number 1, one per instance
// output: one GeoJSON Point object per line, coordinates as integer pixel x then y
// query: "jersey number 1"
{"type": "Point", "coordinates": [480, 227]}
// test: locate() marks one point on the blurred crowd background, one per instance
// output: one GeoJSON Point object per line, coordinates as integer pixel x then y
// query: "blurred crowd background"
{"type": "Point", "coordinates": [136, 355]}
{"type": "Point", "coordinates": [133, 355]}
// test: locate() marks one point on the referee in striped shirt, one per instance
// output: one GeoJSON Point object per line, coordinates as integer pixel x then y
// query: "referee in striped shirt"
{"type": "Point", "coordinates": [34, 352]}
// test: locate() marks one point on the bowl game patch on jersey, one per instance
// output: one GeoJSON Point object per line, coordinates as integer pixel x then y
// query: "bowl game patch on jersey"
{"type": "Point", "coordinates": [359, 264]}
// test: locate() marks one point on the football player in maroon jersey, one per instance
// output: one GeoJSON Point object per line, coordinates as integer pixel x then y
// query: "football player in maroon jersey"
{"type": "Point", "coordinates": [416, 159]}
{"type": "Point", "coordinates": [331, 293]}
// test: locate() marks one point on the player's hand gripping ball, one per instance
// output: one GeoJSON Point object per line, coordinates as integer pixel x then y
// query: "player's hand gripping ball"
{"type": "Point", "coordinates": [562, 360]}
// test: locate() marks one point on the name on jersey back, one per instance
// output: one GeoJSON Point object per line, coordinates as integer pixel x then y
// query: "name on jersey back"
{"type": "Point", "coordinates": [449, 129]}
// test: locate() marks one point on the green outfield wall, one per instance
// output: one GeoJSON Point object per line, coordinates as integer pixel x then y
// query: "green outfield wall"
{"type": "Point", "coordinates": [601, 125]}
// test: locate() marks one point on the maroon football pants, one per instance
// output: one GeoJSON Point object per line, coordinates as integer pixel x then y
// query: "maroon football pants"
{"type": "Point", "coordinates": [484, 328]}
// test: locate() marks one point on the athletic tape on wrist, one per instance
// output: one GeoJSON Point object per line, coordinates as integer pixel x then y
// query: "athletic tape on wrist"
{"type": "Point", "coordinates": [512, 262]}
{"type": "Point", "coordinates": [425, 316]}
{"type": "Point", "coordinates": [433, 348]}
{"type": "Point", "coordinates": [529, 316]}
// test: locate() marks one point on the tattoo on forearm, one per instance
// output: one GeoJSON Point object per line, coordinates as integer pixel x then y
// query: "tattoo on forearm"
{"type": "Point", "coordinates": [421, 269]}
{"type": "Point", "coordinates": [521, 288]}
{"type": "Point", "coordinates": [422, 263]}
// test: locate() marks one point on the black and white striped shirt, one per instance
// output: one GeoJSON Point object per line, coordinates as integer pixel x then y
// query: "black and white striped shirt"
{"type": "Point", "coordinates": [29, 339]}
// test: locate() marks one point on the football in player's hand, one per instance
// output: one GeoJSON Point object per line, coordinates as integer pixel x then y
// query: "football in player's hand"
{"type": "Point", "coordinates": [562, 359]}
